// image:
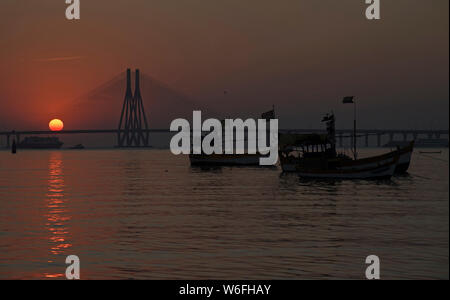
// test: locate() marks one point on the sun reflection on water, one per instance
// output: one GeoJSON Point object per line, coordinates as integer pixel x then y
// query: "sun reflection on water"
{"type": "Point", "coordinates": [57, 213]}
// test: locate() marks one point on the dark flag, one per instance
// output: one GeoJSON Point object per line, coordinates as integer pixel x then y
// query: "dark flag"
{"type": "Point", "coordinates": [326, 118]}
{"type": "Point", "coordinates": [268, 115]}
{"type": "Point", "coordinates": [348, 99]}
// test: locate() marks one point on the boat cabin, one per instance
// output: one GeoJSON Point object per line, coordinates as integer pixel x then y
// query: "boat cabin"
{"type": "Point", "coordinates": [306, 145]}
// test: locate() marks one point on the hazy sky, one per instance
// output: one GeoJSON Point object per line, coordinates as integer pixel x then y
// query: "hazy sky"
{"type": "Point", "coordinates": [301, 55]}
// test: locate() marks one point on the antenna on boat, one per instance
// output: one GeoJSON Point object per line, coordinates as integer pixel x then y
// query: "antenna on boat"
{"type": "Point", "coordinates": [347, 100]}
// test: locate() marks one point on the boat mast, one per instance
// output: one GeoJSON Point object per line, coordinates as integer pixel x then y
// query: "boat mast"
{"type": "Point", "coordinates": [355, 154]}
{"type": "Point", "coordinates": [351, 99]}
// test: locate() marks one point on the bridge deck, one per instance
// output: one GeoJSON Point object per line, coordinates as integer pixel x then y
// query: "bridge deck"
{"type": "Point", "coordinates": [338, 131]}
{"type": "Point", "coordinates": [80, 131]}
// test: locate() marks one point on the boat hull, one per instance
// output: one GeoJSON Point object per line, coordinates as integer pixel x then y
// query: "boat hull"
{"type": "Point", "coordinates": [404, 160]}
{"type": "Point", "coordinates": [383, 171]}
{"type": "Point", "coordinates": [381, 166]}
{"type": "Point", "coordinates": [225, 159]}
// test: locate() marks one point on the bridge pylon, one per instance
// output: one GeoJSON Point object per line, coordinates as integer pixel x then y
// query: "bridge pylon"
{"type": "Point", "coordinates": [133, 125]}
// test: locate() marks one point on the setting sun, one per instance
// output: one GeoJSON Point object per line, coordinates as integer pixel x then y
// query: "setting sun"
{"type": "Point", "coordinates": [56, 125]}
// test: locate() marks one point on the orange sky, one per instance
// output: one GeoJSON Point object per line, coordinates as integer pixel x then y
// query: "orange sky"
{"type": "Point", "coordinates": [301, 55]}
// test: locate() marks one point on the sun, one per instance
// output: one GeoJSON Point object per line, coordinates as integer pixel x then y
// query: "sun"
{"type": "Point", "coordinates": [56, 125]}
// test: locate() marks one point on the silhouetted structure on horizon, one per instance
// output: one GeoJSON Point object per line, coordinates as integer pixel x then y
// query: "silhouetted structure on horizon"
{"type": "Point", "coordinates": [133, 130]}
{"type": "Point", "coordinates": [133, 126]}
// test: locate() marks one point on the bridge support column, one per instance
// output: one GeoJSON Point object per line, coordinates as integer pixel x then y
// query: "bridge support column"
{"type": "Point", "coordinates": [133, 126]}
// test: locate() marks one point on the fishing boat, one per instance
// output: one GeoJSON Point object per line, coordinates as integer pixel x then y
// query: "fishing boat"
{"type": "Point", "coordinates": [315, 156]}
{"type": "Point", "coordinates": [313, 159]}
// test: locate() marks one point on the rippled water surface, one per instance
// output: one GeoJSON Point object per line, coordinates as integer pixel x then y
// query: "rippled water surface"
{"type": "Point", "coordinates": [146, 214]}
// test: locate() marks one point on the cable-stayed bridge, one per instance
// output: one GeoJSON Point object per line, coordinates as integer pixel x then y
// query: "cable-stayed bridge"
{"type": "Point", "coordinates": [133, 125]}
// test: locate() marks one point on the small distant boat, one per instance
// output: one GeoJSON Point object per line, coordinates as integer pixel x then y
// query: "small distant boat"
{"type": "Point", "coordinates": [432, 143]}
{"type": "Point", "coordinates": [430, 152]}
{"type": "Point", "coordinates": [420, 143]}
{"type": "Point", "coordinates": [77, 147]}
{"type": "Point", "coordinates": [34, 142]}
